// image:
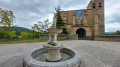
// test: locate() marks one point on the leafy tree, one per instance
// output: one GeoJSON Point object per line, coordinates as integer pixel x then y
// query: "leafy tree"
{"type": "Point", "coordinates": [42, 27]}
{"type": "Point", "coordinates": [59, 21]}
{"type": "Point", "coordinates": [33, 33]}
{"type": "Point", "coordinates": [30, 35]}
{"type": "Point", "coordinates": [3, 34]}
{"type": "Point", "coordinates": [24, 34]}
{"type": "Point", "coordinates": [3, 28]}
{"type": "Point", "coordinates": [117, 32]}
{"type": "Point", "coordinates": [6, 18]}
{"type": "Point", "coordinates": [12, 34]}
{"type": "Point", "coordinates": [33, 28]}
{"type": "Point", "coordinates": [36, 27]}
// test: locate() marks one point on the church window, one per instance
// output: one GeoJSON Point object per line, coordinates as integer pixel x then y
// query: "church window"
{"type": "Point", "coordinates": [100, 5]}
{"type": "Point", "coordinates": [65, 14]}
{"type": "Point", "coordinates": [98, 16]}
{"type": "Point", "coordinates": [93, 5]}
{"type": "Point", "coordinates": [73, 13]}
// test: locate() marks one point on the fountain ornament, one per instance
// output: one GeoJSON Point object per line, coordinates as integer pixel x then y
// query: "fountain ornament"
{"type": "Point", "coordinates": [52, 54]}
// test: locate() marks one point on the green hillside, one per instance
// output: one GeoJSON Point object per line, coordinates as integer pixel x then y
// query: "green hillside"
{"type": "Point", "coordinates": [19, 29]}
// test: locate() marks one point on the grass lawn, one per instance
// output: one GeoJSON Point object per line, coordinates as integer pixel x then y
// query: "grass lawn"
{"type": "Point", "coordinates": [27, 41]}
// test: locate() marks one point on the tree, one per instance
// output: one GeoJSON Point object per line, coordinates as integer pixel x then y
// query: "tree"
{"type": "Point", "coordinates": [6, 18]}
{"type": "Point", "coordinates": [3, 34]}
{"type": "Point", "coordinates": [33, 28]}
{"type": "Point", "coordinates": [42, 26]}
{"type": "Point", "coordinates": [3, 28]}
{"type": "Point", "coordinates": [36, 27]}
{"type": "Point", "coordinates": [64, 31]}
{"type": "Point", "coordinates": [59, 21]}
{"type": "Point", "coordinates": [24, 34]}
{"type": "Point", "coordinates": [115, 33]}
{"type": "Point", "coordinates": [30, 35]}
{"type": "Point", "coordinates": [118, 32]}
{"type": "Point", "coordinates": [12, 34]}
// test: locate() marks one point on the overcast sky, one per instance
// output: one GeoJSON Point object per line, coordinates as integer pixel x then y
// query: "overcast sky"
{"type": "Point", "coordinates": [28, 12]}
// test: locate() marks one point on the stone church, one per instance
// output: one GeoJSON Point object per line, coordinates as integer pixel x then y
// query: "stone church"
{"type": "Point", "coordinates": [87, 23]}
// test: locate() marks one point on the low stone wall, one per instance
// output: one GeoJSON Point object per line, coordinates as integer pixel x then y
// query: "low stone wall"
{"type": "Point", "coordinates": [108, 38]}
{"type": "Point", "coordinates": [45, 37]}
{"type": "Point", "coordinates": [73, 37]}
{"type": "Point", "coordinates": [60, 36]}
{"type": "Point", "coordinates": [9, 39]}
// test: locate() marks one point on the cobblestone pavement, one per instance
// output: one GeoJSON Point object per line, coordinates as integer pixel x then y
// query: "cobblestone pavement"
{"type": "Point", "coordinates": [93, 53]}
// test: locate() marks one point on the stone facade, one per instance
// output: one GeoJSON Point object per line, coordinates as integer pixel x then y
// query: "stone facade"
{"type": "Point", "coordinates": [88, 22]}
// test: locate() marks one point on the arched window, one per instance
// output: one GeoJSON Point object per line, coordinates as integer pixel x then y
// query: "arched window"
{"type": "Point", "coordinates": [100, 4]}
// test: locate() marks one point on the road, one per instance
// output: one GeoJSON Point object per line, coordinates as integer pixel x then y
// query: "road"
{"type": "Point", "coordinates": [93, 53]}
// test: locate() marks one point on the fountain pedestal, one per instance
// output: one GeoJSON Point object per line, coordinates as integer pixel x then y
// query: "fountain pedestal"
{"type": "Point", "coordinates": [53, 47]}
{"type": "Point", "coordinates": [53, 54]}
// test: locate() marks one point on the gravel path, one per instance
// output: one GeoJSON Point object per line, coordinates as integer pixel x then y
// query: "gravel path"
{"type": "Point", "coordinates": [93, 53]}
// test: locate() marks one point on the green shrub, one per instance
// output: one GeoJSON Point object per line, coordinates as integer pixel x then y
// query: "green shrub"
{"type": "Point", "coordinates": [36, 35]}
{"type": "Point", "coordinates": [30, 35]}
{"type": "Point", "coordinates": [24, 34]}
{"type": "Point", "coordinates": [12, 34]}
{"type": "Point", "coordinates": [16, 37]}
{"type": "Point", "coordinates": [19, 37]}
{"type": "Point", "coordinates": [3, 34]}
{"type": "Point", "coordinates": [118, 32]}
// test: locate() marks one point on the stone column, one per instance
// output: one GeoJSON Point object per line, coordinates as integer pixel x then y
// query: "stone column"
{"type": "Point", "coordinates": [49, 41]}
{"type": "Point", "coordinates": [85, 19]}
{"type": "Point", "coordinates": [74, 20]}
{"type": "Point", "coordinates": [52, 38]}
{"type": "Point", "coordinates": [54, 22]}
{"type": "Point", "coordinates": [55, 38]}
{"type": "Point", "coordinates": [96, 25]}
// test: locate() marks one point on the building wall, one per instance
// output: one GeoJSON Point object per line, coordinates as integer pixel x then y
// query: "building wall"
{"type": "Point", "coordinates": [92, 19]}
{"type": "Point", "coordinates": [100, 12]}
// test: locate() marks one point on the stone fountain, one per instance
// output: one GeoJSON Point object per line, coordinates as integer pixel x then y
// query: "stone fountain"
{"type": "Point", "coordinates": [52, 54]}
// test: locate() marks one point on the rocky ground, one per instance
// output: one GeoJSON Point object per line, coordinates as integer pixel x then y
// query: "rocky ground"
{"type": "Point", "coordinates": [93, 53]}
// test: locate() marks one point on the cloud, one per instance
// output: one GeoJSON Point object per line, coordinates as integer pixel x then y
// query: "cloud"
{"type": "Point", "coordinates": [28, 12]}
{"type": "Point", "coordinates": [112, 12]}
{"type": "Point", "coordinates": [112, 27]}
{"type": "Point", "coordinates": [112, 15]}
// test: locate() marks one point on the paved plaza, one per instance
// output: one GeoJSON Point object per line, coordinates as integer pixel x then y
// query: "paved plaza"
{"type": "Point", "coordinates": [93, 53]}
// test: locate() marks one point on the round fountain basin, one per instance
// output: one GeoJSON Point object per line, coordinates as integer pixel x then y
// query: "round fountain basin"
{"type": "Point", "coordinates": [37, 58]}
